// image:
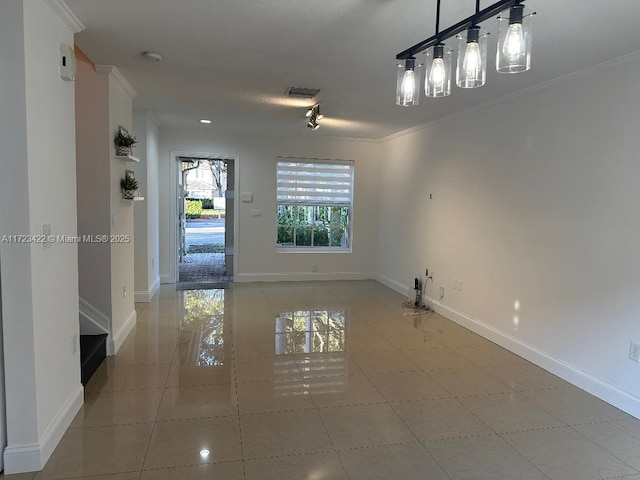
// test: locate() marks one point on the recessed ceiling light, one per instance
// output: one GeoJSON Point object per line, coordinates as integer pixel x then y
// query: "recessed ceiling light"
{"type": "Point", "coordinates": [204, 120]}
{"type": "Point", "coordinates": [204, 453]}
{"type": "Point", "coordinates": [153, 56]}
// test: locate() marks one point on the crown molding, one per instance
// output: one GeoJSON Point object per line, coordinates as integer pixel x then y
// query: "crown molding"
{"type": "Point", "coordinates": [115, 73]}
{"type": "Point", "coordinates": [251, 133]}
{"type": "Point", "coordinates": [66, 15]}
{"type": "Point", "coordinates": [567, 78]}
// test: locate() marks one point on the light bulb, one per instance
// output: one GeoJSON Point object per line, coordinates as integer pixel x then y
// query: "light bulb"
{"type": "Point", "coordinates": [437, 75]}
{"type": "Point", "coordinates": [513, 47]}
{"type": "Point", "coordinates": [309, 112]}
{"type": "Point", "coordinates": [472, 63]}
{"type": "Point", "coordinates": [408, 87]}
{"type": "Point", "coordinates": [320, 116]}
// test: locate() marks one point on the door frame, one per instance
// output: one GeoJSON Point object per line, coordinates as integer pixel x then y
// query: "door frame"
{"type": "Point", "coordinates": [173, 205]}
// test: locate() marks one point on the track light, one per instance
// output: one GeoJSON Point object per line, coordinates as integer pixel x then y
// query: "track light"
{"type": "Point", "coordinates": [314, 116]}
{"type": "Point", "coordinates": [513, 55]}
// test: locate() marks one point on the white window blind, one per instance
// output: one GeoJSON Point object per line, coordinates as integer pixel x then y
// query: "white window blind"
{"type": "Point", "coordinates": [315, 182]}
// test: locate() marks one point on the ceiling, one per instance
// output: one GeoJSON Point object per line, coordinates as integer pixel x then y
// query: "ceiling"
{"type": "Point", "coordinates": [232, 60]}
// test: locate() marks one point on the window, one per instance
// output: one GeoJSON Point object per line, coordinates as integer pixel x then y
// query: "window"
{"type": "Point", "coordinates": [314, 204]}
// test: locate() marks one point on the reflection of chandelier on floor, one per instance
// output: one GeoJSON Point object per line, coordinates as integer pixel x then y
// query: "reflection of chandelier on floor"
{"type": "Point", "coordinates": [513, 54]}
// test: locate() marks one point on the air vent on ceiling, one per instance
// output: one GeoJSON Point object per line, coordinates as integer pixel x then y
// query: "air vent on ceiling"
{"type": "Point", "coordinates": [302, 92]}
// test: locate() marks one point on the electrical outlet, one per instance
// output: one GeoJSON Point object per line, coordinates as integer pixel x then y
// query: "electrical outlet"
{"type": "Point", "coordinates": [634, 352]}
{"type": "Point", "coordinates": [441, 292]}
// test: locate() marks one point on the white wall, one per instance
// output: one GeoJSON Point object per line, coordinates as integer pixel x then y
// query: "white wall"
{"type": "Point", "coordinates": [104, 102]}
{"type": "Point", "coordinates": [146, 214]}
{"type": "Point", "coordinates": [122, 253]}
{"type": "Point", "coordinates": [535, 199]}
{"type": "Point", "coordinates": [255, 244]}
{"type": "Point", "coordinates": [38, 185]}
{"type": "Point", "coordinates": [93, 166]}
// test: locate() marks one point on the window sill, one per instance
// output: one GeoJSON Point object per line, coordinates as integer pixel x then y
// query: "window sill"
{"type": "Point", "coordinates": [311, 250]}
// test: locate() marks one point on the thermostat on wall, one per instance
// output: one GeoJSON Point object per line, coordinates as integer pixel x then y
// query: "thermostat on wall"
{"type": "Point", "coordinates": [67, 63]}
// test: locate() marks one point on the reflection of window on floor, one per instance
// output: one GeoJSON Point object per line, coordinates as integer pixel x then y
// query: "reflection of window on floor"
{"type": "Point", "coordinates": [310, 331]}
{"type": "Point", "coordinates": [203, 322]}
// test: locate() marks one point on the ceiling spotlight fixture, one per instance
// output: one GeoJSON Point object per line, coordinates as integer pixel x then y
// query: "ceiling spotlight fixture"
{"type": "Point", "coordinates": [513, 55]}
{"type": "Point", "coordinates": [153, 56]}
{"type": "Point", "coordinates": [314, 116]}
{"type": "Point", "coordinates": [205, 121]}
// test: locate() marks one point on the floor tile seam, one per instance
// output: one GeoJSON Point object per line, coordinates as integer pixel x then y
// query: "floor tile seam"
{"type": "Point", "coordinates": [427, 399]}
{"type": "Point", "coordinates": [459, 437]}
{"type": "Point", "coordinates": [196, 385]}
{"type": "Point", "coordinates": [395, 412]}
{"type": "Point", "coordinates": [189, 465]}
{"type": "Point", "coordinates": [187, 387]}
{"type": "Point", "coordinates": [97, 477]}
{"type": "Point", "coordinates": [162, 364]}
{"type": "Point", "coordinates": [626, 430]}
{"type": "Point", "coordinates": [359, 404]}
{"type": "Point", "coordinates": [203, 417]}
{"type": "Point", "coordinates": [335, 450]}
{"type": "Point", "coordinates": [550, 413]}
{"type": "Point", "coordinates": [523, 455]}
{"type": "Point", "coordinates": [234, 376]}
{"type": "Point", "coordinates": [486, 394]}
{"type": "Point", "coordinates": [606, 449]}
{"type": "Point", "coordinates": [362, 447]}
{"type": "Point", "coordinates": [127, 390]}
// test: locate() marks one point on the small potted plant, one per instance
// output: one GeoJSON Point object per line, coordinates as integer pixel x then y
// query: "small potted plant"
{"type": "Point", "coordinates": [129, 186]}
{"type": "Point", "coordinates": [124, 142]}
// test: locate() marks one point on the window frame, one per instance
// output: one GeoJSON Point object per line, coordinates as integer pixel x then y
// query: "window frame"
{"type": "Point", "coordinates": [348, 227]}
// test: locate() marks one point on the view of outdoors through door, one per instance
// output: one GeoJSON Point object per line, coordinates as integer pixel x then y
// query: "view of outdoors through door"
{"type": "Point", "coordinates": [205, 256]}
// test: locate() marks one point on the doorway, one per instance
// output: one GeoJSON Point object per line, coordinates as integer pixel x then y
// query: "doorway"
{"type": "Point", "coordinates": [205, 222]}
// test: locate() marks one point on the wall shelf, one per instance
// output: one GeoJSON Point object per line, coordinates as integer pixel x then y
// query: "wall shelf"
{"type": "Point", "coordinates": [128, 158]}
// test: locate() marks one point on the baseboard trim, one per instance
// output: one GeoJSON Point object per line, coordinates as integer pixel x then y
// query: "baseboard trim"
{"type": "Point", "coordinates": [146, 296]}
{"type": "Point", "coordinates": [605, 391]}
{"type": "Point", "coordinates": [114, 342]}
{"type": "Point", "coordinates": [164, 279]}
{"type": "Point", "coordinates": [302, 276]}
{"type": "Point", "coordinates": [33, 457]}
{"type": "Point", "coordinates": [392, 284]}
{"type": "Point", "coordinates": [609, 393]}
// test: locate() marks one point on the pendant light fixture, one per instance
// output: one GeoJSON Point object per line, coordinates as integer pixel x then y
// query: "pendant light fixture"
{"type": "Point", "coordinates": [513, 55]}
{"type": "Point", "coordinates": [438, 79]}
{"type": "Point", "coordinates": [471, 71]}
{"type": "Point", "coordinates": [408, 83]}
{"type": "Point", "coordinates": [514, 41]}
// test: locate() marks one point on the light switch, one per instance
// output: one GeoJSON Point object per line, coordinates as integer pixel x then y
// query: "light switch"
{"type": "Point", "coordinates": [246, 197]}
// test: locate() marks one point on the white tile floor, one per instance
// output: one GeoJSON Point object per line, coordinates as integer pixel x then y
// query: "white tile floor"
{"type": "Point", "coordinates": [327, 381]}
